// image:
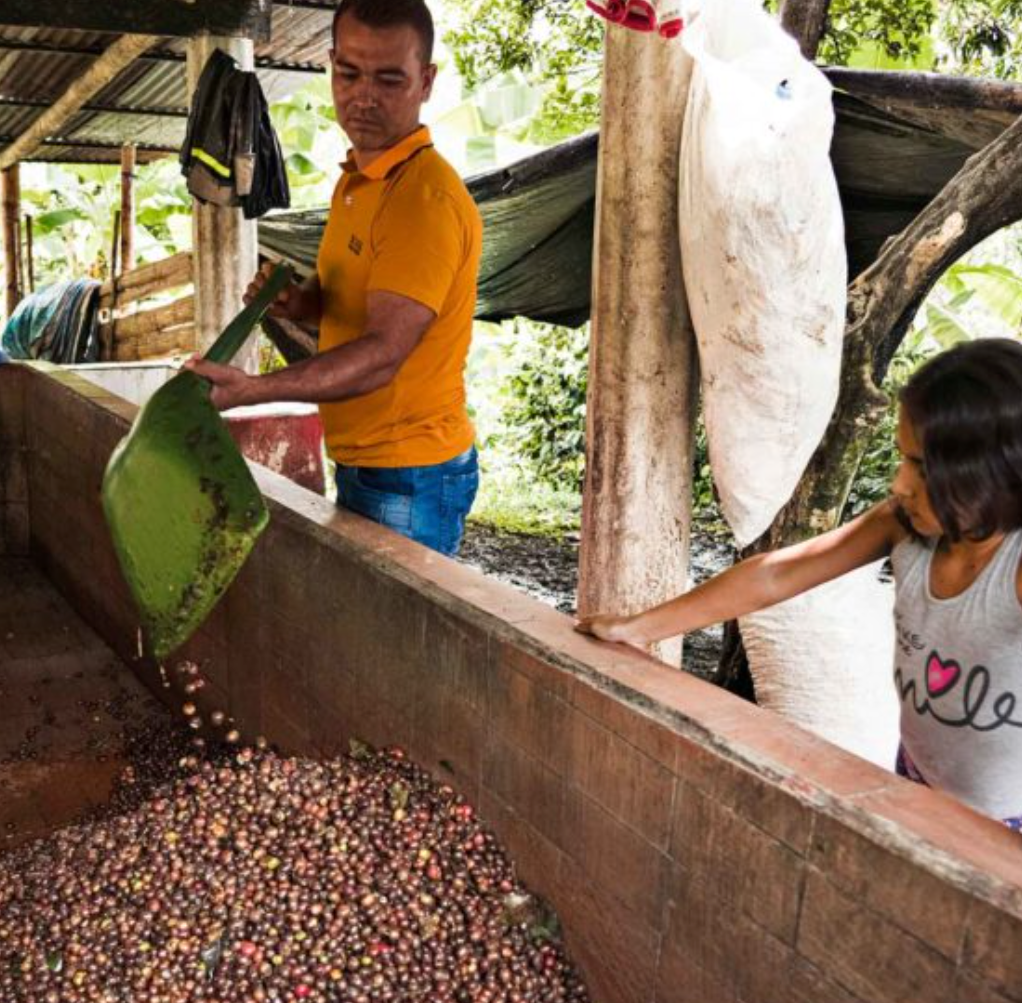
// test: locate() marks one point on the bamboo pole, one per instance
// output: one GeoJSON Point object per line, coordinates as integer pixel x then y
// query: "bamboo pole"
{"type": "Point", "coordinates": [10, 201]}
{"type": "Point", "coordinates": [115, 244]}
{"type": "Point", "coordinates": [119, 55]}
{"type": "Point", "coordinates": [642, 367]}
{"type": "Point", "coordinates": [29, 256]}
{"type": "Point", "coordinates": [127, 208]}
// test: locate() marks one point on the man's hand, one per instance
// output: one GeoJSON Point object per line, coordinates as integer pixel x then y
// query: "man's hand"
{"type": "Point", "coordinates": [232, 387]}
{"type": "Point", "coordinates": [293, 302]}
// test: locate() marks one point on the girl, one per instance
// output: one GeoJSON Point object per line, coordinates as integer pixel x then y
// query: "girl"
{"type": "Point", "coordinates": [953, 531]}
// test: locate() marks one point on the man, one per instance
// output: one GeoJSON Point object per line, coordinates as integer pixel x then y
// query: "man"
{"type": "Point", "coordinates": [394, 292]}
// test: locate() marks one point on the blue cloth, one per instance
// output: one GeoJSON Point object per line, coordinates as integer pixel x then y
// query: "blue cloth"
{"type": "Point", "coordinates": [58, 323]}
{"type": "Point", "coordinates": [427, 504]}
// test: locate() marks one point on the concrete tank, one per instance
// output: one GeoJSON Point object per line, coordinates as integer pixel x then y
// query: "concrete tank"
{"type": "Point", "coordinates": [697, 849]}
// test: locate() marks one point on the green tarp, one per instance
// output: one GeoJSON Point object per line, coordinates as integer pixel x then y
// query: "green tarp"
{"type": "Point", "coordinates": [538, 213]}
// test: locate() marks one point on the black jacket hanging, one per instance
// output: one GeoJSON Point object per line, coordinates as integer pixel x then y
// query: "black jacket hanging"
{"type": "Point", "coordinates": [231, 155]}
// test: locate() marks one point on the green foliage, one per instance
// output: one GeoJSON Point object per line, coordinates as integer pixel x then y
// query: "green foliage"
{"type": "Point", "coordinates": [882, 34]}
{"type": "Point", "coordinates": [555, 45]}
{"type": "Point", "coordinates": [983, 37]}
{"type": "Point", "coordinates": [544, 420]}
{"type": "Point", "coordinates": [312, 144]}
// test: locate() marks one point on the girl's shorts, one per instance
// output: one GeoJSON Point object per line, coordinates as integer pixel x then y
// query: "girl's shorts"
{"type": "Point", "coordinates": [904, 767]}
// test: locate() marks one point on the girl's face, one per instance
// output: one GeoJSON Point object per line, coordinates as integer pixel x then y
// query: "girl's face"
{"type": "Point", "coordinates": [909, 484]}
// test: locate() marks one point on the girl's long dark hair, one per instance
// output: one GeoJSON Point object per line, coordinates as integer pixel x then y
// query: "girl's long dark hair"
{"type": "Point", "coordinates": [965, 406]}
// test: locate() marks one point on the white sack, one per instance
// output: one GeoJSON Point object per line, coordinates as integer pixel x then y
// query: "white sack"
{"type": "Point", "coordinates": [762, 240]}
{"type": "Point", "coordinates": [825, 660]}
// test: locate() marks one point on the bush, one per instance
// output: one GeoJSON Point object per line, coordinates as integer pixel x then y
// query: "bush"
{"type": "Point", "coordinates": [545, 417]}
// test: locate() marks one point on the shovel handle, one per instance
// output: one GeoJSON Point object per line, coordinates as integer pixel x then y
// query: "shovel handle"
{"type": "Point", "coordinates": [236, 333]}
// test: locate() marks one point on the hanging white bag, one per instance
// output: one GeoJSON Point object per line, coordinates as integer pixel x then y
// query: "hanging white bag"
{"type": "Point", "coordinates": [824, 660]}
{"type": "Point", "coordinates": [762, 241]}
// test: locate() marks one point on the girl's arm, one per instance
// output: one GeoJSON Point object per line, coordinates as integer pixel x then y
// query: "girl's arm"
{"type": "Point", "coordinates": [759, 581]}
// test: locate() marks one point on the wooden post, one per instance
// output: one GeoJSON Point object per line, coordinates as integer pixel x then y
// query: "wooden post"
{"type": "Point", "coordinates": [127, 208]}
{"type": "Point", "coordinates": [10, 198]}
{"type": "Point", "coordinates": [642, 363]}
{"type": "Point", "coordinates": [225, 244]}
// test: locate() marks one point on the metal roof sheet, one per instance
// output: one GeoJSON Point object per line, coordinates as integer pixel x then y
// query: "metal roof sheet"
{"type": "Point", "coordinates": [38, 64]}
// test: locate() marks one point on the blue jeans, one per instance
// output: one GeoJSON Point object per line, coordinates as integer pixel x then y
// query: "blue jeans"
{"type": "Point", "coordinates": [427, 504]}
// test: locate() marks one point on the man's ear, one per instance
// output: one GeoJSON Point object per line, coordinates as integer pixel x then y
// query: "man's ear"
{"type": "Point", "coordinates": [429, 77]}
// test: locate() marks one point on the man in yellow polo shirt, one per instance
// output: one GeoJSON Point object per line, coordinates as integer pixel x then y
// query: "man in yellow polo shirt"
{"type": "Point", "coordinates": [394, 292]}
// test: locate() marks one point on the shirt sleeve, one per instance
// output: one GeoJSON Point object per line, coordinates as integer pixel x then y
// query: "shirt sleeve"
{"type": "Point", "coordinates": [419, 245]}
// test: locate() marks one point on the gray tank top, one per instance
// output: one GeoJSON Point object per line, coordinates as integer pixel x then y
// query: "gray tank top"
{"type": "Point", "coordinates": [958, 674]}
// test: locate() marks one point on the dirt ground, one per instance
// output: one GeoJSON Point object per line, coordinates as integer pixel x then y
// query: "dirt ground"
{"type": "Point", "coordinates": [547, 569]}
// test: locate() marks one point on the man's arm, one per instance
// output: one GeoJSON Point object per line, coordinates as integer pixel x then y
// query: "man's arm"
{"type": "Point", "coordinates": [394, 326]}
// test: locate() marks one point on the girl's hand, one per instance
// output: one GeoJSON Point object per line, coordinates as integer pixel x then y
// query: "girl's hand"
{"type": "Point", "coordinates": [609, 628]}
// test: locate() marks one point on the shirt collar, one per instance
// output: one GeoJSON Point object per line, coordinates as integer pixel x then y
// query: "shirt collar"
{"type": "Point", "coordinates": [392, 158]}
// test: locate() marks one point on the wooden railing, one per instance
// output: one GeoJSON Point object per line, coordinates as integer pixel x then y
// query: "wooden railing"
{"type": "Point", "coordinates": [130, 329]}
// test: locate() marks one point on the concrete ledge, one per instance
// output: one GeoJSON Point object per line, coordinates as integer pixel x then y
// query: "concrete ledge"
{"type": "Point", "coordinates": [697, 848]}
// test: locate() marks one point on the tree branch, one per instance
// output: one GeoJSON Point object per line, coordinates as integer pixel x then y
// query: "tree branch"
{"type": "Point", "coordinates": [983, 197]}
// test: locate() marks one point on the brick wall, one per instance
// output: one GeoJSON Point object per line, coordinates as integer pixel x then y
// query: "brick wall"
{"type": "Point", "coordinates": [697, 849]}
{"type": "Point", "coordinates": [13, 473]}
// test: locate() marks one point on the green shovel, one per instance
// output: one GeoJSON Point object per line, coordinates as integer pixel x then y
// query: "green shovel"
{"type": "Point", "coordinates": [182, 506]}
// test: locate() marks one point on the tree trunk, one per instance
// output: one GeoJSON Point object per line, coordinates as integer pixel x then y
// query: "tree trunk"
{"type": "Point", "coordinates": [806, 21]}
{"type": "Point", "coordinates": [984, 197]}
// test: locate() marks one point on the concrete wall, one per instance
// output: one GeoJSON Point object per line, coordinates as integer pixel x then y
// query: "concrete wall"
{"type": "Point", "coordinates": [697, 849]}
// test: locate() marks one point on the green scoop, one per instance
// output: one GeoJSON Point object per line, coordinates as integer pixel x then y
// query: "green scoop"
{"type": "Point", "coordinates": [181, 503]}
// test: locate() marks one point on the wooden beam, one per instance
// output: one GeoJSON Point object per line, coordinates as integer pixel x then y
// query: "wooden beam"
{"type": "Point", "coordinates": [806, 21]}
{"type": "Point", "coordinates": [127, 208]}
{"type": "Point", "coordinates": [250, 18]}
{"type": "Point", "coordinates": [157, 276]}
{"type": "Point", "coordinates": [10, 204]}
{"type": "Point", "coordinates": [929, 90]}
{"type": "Point", "coordinates": [121, 54]}
{"type": "Point", "coordinates": [636, 510]}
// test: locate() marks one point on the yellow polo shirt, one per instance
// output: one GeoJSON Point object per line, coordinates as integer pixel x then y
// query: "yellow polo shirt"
{"type": "Point", "coordinates": [407, 225]}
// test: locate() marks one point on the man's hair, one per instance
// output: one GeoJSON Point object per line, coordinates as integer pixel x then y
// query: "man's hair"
{"type": "Point", "coordinates": [390, 14]}
{"type": "Point", "coordinates": [965, 406]}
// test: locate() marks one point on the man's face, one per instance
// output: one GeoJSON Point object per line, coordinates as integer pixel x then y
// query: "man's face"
{"type": "Point", "coordinates": [380, 82]}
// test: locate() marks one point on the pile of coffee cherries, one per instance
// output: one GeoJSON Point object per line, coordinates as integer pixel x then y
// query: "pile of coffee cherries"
{"type": "Point", "coordinates": [248, 877]}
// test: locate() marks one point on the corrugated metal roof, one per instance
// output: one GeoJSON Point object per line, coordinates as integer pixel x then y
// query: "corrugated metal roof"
{"type": "Point", "coordinates": [39, 64]}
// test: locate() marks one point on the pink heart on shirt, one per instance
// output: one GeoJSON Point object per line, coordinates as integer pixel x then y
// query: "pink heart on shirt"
{"type": "Point", "coordinates": [940, 675]}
